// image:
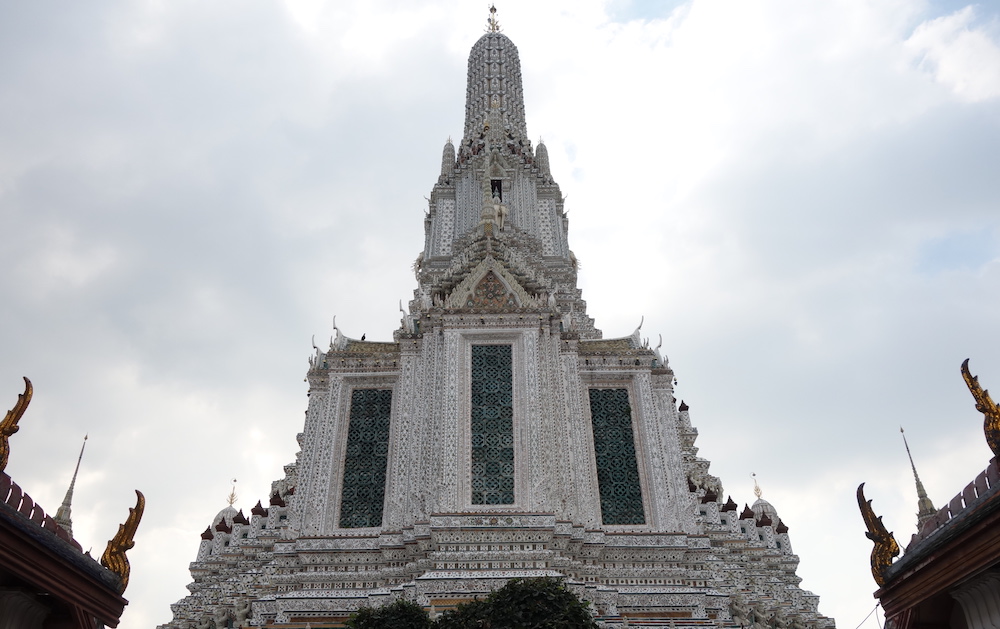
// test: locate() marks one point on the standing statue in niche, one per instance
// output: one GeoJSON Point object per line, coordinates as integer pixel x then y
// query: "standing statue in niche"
{"type": "Point", "coordinates": [501, 213]}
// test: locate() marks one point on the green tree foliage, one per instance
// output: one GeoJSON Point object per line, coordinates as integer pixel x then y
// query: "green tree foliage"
{"type": "Point", "coordinates": [539, 603]}
{"type": "Point", "coordinates": [475, 614]}
{"type": "Point", "coordinates": [399, 614]}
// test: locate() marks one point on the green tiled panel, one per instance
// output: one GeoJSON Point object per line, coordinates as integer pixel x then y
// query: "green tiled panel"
{"type": "Point", "coordinates": [367, 455]}
{"type": "Point", "coordinates": [614, 449]}
{"type": "Point", "coordinates": [492, 425]}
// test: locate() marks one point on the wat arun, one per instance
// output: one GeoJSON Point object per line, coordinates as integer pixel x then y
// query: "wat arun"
{"type": "Point", "coordinates": [498, 435]}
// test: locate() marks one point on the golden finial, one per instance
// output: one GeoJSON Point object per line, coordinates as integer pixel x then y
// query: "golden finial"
{"type": "Point", "coordinates": [492, 26]}
{"type": "Point", "coordinates": [986, 406]}
{"type": "Point", "coordinates": [114, 558]}
{"type": "Point", "coordinates": [756, 488]}
{"type": "Point", "coordinates": [9, 424]}
{"type": "Point", "coordinates": [232, 494]}
{"type": "Point", "coordinates": [885, 544]}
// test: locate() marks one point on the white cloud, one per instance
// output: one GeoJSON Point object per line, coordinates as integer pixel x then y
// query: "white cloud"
{"type": "Point", "coordinates": [961, 54]}
{"type": "Point", "coordinates": [783, 189]}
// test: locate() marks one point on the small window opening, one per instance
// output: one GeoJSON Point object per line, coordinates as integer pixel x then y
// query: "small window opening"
{"type": "Point", "coordinates": [496, 188]}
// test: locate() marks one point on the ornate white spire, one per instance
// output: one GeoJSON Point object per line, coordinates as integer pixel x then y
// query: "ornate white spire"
{"type": "Point", "coordinates": [925, 508]}
{"type": "Point", "coordinates": [63, 514]}
{"type": "Point", "coordinates": [494, 78]}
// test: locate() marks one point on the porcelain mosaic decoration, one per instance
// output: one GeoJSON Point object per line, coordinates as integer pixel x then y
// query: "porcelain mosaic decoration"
{"type": "Point", "coordinates": [497, 435]}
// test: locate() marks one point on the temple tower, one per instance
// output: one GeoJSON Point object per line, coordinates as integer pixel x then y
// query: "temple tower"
{"type": "Point", "coordinates": [497, 435]}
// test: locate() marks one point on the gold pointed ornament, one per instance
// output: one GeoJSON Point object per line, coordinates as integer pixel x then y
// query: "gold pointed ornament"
{"type": "Point", "coordinates": [114, 558]}
{"type": "Point", "coordinates": [986, 406]}
{"type": "Point", "coordinates": [885, 544]}
{"type": "Point", "coordinates": [9, 424]}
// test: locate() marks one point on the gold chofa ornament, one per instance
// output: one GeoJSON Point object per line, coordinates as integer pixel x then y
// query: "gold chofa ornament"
{"type": "Point", "coordinates": [9, 424]}
{"type": "Point", "coordinates": [114, 558]}
{"type": "Point", "coordinates": [885, 544]}
{"type": "Point", "coordinates": [986, 406]}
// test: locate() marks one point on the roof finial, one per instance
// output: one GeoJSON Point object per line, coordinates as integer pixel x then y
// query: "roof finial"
{"type": "Point", "coordinates": [114, 557]}
{"type": "Point", "coordinates": [925, 508]}
{"type": "Point", "coordinates": [986, 406]}
{"type": "Point", "coordinates": [232, 494]}
{"type": "Point", "coordinates": [492, 25]}
{"type": "Point", "coordinates": [756, 488]}
{"type": "Point", "coordinates": [885, 547]}
{"type": "Point", "coordinates": [8, 426]}
{"type": "Point", "coordinates": [64, 512]}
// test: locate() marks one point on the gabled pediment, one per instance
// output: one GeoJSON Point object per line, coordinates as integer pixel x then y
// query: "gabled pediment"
{"type": "Point", "coordinates": [490, 286]}
{"type": "Point", "coordinates": [498, 166]}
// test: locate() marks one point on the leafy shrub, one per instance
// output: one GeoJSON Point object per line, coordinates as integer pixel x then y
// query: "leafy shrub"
{"type": "Point", "coordinates": [538, 603]}
{"type": "Point", "coordinates": [399, 614]}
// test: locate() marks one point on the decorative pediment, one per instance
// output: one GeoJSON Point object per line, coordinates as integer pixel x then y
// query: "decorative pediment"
{"type": "Point", "coordinates": [498, 166]}
{"type": "Point", "coordinates": [490, 286]}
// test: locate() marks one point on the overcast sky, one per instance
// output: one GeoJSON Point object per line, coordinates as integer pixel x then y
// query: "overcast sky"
{"type": "Point", "coordinates": [802, 198]}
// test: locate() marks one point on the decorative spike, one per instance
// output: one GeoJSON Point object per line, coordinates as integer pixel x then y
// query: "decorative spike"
{"type": "Point", "coordinates": [64, 512]}
{"type": "Point", "coordinates": [492, 25]}
{"type": "Point", "coordinates": [985, 405]}
{"type": "Point", "coordinates": [114, 558]}
{"type": "Point", "coordinates": [885, 544]}
{"type": "Point", "coordinates": [9, 424]}
{"type": "Point", "coordinates": [925, 508]}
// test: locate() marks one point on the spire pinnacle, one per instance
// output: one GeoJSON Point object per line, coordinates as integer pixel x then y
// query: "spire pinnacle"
{"type": "Point", "coordinates": [492, 25]}
{"type": "Point", "coordinates": [232, 494]}
{"type": "Point", "coordinates": [756, 488]}
{"type": "Point", "coordinates": [64, 512]}
{"type": "Point", "coordinates": [925, 508]}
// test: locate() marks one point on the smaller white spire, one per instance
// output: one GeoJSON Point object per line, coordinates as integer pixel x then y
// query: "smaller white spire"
{"type": "Point", "coordinates": [925, 508]}
{"type": "Point", "coordinates": [64, 512]}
